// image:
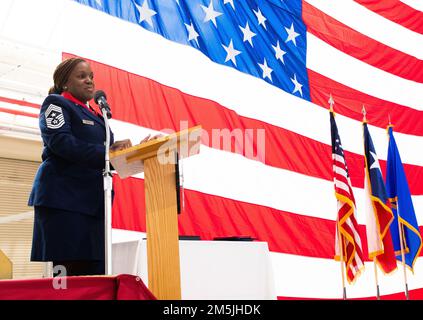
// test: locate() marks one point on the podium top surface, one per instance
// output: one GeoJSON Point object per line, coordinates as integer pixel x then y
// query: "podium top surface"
{"type": "Point", "coordinates": [129, 161]}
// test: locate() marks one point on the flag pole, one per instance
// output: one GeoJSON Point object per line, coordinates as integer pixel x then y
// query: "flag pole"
{"type": "Point", "coordinates": [331, 103]}
{"type": "Point", "coordinates": [363, 111]}
{"type": "Point", "coordinates": [376, 279]}
{"type": "Point", "coordinates": [341, 251]}
{"type": "Point", "coordinates": [401, 237]}
{"type": "Point", "coordinates": [341, 248]}
{"type": "Point", "coordinates": [402, 255]}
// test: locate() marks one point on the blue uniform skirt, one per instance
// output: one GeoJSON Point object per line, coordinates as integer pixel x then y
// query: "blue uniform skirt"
{"type": "Point", "coordinates": [61, 235]}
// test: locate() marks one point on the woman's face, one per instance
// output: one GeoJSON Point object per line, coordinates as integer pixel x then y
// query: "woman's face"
{"type": "Point", "coordinates": [81, 82]}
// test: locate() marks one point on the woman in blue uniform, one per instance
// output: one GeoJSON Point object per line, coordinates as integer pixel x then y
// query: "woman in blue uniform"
{"type": "Point", "coordinates": [67, 194]}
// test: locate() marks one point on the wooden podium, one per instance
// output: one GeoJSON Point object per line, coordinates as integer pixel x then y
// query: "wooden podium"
{"type": "Point", "coordinates": [157, 159]}
{"type": "Point", "coordinates": [6, 267]}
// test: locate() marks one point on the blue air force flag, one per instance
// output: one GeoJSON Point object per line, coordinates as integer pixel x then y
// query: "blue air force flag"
{"type": "Point", "coordinates": [402, 207]}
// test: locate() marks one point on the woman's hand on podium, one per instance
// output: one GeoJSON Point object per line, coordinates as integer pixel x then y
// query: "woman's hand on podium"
{"type": "Point", "coordinates": [120, 145]}
{"type": "Point", "coordinates": [148, 137]}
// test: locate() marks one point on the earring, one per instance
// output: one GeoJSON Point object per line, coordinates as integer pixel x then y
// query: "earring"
{"type": "Point", "coordinates": [65, 88]}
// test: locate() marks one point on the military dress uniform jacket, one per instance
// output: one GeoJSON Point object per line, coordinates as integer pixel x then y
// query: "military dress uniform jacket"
{"type": "Point", "coordinates": [71, 174]}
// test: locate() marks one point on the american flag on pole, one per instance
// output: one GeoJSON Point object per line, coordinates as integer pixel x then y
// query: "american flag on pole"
{"type": "Point", "coordinates": [241, 66]}
{"type": "Point", "coordinates": [348, 245]}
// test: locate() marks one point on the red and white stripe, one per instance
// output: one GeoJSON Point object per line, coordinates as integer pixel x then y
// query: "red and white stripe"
{"type": "Point", "coordinates": [287, 199]}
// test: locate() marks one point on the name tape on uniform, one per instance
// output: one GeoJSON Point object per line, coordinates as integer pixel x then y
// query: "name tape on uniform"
{"type": "Point", "coordinates": [91, 123]}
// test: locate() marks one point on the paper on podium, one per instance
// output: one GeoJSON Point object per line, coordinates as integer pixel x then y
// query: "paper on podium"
{"type": "Point", "coordinates": [125, 169]}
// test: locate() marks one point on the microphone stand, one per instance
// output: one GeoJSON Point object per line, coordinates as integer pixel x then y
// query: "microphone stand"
{"type": "Point", "coordinates": [108, 184]}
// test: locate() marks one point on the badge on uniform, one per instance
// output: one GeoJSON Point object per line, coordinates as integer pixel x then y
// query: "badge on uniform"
{"type": "Point", "coordinates": [54, 117]}
{"type": "Point", "coordinates": [91, 123]}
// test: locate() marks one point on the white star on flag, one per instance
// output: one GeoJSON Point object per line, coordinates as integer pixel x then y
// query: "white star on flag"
{"type": "Point", "coordinates": [231, 53]}
{"type": "Point", "coordinates": [291, 34]}
{"type": "Point", "coordinates": [279, 53]}
{"type": "Point", "coordinates": [229, 1]}
{"type": "Point", "coordinates": [298, 85]}
{"type": "Point", "coordinates": [266, 70]}
{"type": "Point", "coordinates": [210, 13]}
{"type": "Point", "coordinates": [375, 164]}
{"type": "Point", "coordinates": [145, 13]}
{"type": "Point", "coordinates": [261, 19]}
{"type": "Point", "coordinates": [192, 34]}
{"type": "Point", "coordinates": [248, 34]}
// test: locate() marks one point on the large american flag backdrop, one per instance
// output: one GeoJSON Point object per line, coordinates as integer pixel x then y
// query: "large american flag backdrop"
{"type": "Point", "coordinates": [245, 66]}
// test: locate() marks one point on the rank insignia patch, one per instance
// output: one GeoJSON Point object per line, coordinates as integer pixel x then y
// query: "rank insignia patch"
{"type": "Point", "coordinates": [54, 117]}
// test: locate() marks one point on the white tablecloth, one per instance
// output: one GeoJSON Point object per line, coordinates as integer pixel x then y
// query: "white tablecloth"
{"type": "Point", "coordinates": [210, 270]}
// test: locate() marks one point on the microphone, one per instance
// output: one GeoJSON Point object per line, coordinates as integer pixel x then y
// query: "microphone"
{"type": "Point", "coordinates": [101, 99]}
